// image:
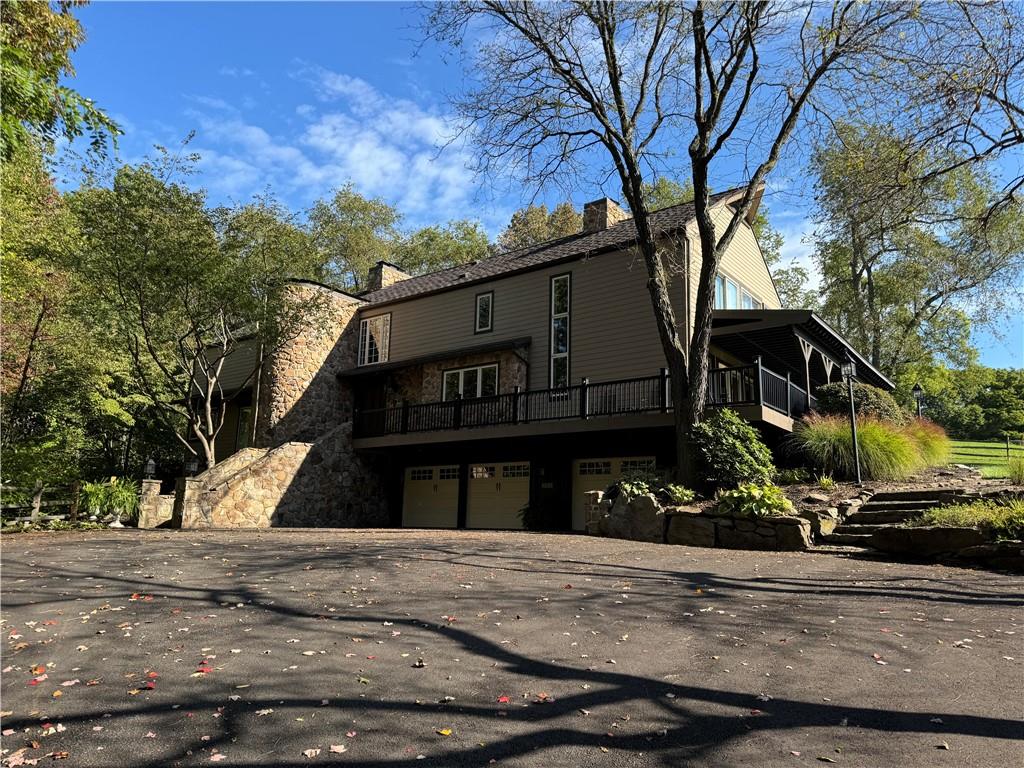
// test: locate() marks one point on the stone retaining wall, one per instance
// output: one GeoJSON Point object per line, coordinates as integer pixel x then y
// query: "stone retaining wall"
{"type": "Point", "coordinates": [644, 519]}
{"type": "Point", "coordinates": [154, 508]}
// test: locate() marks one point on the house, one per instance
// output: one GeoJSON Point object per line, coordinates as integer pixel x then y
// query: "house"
{"type": "Point", "coordinates": [457, 398]}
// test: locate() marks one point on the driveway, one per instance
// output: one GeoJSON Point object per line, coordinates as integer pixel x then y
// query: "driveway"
{"type": "Point", "coordinates": [393, 648]}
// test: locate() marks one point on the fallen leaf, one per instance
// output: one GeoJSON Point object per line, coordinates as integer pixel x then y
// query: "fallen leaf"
{"type": "Point", "coordinates": [339, 748]}
{"type": "Point", "coordinates": [311, 753]}
{"type": "Point", "coordinates": [444, 731]}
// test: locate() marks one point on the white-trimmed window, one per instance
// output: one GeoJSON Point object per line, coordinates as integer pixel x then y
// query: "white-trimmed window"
{"type": "Point", "coordinates": [374, 339]}
{"type": "Point", "coordinates": [637, 465]}
{"type": "Point", "coordinates": [478, 381]}
{"type": "Point", "coordinates": [448, 473]}
{"type": "Point", "coordinates": [484, 321]}
{"type": "Point", "coordinates": [589, 468]}
{"type": "Point", "coordinates": [421, 473]}
{"type": "Point", "coordinates": [732, 295]}
{"type": "Point", "coordinates": [515, 470]}
{"type": "Point", "coordinates": [561, 300]}
{"type": "Point", "coordinates": [482, 472]}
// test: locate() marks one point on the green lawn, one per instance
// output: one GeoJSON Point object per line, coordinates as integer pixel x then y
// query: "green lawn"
{"type": "Point", "coordinates": [990, 458]}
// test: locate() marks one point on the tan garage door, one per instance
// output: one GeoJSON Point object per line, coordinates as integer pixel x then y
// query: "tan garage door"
{"type": "Point", "coordinates": [597, 475]}
{"type": "Point", "coordinates": [431, 497]}
{"type": "Point", "coordinates": [497, 494]}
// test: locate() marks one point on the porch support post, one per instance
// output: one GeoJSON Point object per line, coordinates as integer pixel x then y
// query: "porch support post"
{"type": "Point", "coordinates": [757, 382]}
{"type": "Point", "coordinates": [585, 398]}
{"type": "Point", "coordinates": [807, 349]}
{"type": "Point", "coordinates": [665, 392]}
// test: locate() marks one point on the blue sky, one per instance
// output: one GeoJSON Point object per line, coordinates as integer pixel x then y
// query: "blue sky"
{"type": "Point", "coordinates": [302, 97]}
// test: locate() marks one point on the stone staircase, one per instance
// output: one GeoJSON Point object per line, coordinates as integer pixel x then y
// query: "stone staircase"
{"type": "Point", "coordinates": [886, 509]}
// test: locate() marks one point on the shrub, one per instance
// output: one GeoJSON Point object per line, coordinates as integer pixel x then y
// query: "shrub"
{"type": "Point", "coordinates": [1015, 470]}
{"type": "Point", "coordinates": [752, 500]}
{"type": "Point", "coordinates": [678, 494]}
{"type": "Point", "coordinates": [833, 399]}
{"type": "Point", "coordinates": [886, 452]}
{"type": "Point", "coordinates": [119, 496]}
{"type": "Point", "coordinates": [999, 519]}
{"type": "Point", "coordinates": [826, 482]}
{"type": "Point", "coordinates": [792, 476]}
{"type": "Point", "coordinates": [730, 451]}
{"type": "Point", "coordinates": [935, 448]}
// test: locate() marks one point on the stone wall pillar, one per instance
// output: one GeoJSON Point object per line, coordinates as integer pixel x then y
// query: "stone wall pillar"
{"type": "Point", "coordinates": [154, 508]}
{"type": "Point", "coordinates": [188, 508]}
{"type": "Point", "coordinates": [593, 510]}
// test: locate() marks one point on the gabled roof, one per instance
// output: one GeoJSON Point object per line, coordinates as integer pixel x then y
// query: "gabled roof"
{"type": "Point", "coordinates": [616, 237]}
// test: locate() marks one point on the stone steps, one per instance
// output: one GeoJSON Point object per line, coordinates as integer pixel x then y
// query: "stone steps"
{"type": "Point", "coordinates": [883, 511]}
{"type": "Point", "coordinates": [869, 517]}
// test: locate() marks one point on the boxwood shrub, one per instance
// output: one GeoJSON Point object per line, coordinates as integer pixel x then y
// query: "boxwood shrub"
{"type": "Point", "coordinates": [730, 451]}
{"type": "Point", "coordinates": [869, 401]}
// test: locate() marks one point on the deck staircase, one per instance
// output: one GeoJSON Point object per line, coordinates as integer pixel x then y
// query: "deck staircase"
{"type": "Point", "coordinates": [884, 510]}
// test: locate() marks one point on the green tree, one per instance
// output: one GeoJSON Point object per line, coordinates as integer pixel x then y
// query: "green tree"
{"type": "Point", "coordinates": [185, 286]}
{"type": "Point", "coordinates": [353, 233]}
{"type": "Point", "coordinates": [971, 403]}
{"type": "Point", "coordinates": [69, 406]}
{"type": "Point", "coordinates": [909, 261]}
{"type": "Point", "coordinates": [535, 224]}
{"type": "Point", "coordinates": [439, 247]}
{"type": "Point", "coordinates": [36, 43]}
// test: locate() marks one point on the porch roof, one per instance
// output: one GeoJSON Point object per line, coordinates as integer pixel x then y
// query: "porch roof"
{"type": "Point", "coordinates": [780, 336]}
{"type": "Point", "coordinates": [478, 349]}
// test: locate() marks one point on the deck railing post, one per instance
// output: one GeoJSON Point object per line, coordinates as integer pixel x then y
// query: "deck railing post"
{"type": "Point", "coordinates": [458, 412]}
{"type": "Point", "coordinates": [665, 393]}
{"type": "Point", "coordinates": [789, 396]}
{"type": "Point", "coordinates": [405, 416]}
{"type": "Point", "coordinates": [516, 394]}
{"type": "Point", "coordinates": [757, 382]}
{"type": "Point", "coordinates": [585, 398]}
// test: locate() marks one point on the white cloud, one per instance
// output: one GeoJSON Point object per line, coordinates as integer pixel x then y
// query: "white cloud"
{"type": "Point", "coordinates": [236, 72]}
{"type": "Point", "coordinates": [388, 147]}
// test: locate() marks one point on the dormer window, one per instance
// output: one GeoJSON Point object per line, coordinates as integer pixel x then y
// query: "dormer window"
{"type": "Point", "coordinates": [484, 312]}
{"type": "Point", "coordinates": [374, 339]}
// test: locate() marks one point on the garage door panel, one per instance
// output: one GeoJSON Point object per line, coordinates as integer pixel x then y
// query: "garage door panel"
{"type": "Point", "coordinates": [597, 475]}
{"type": "Point", "coordinates": [497, 494]}
{"type": "Point", "coordinates": [431, 497]}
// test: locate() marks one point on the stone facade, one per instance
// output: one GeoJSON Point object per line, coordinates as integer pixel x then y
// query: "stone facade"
{"type": "Point", "coordinates": [304, 470]}
{"type": "Point", "coordinates": [512, 370]}
{"type": "Point", "coordinates": [154, 508]}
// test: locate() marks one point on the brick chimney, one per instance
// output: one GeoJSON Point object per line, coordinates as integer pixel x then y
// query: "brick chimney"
{"type": "Point", "coordinates": [601, 214]}
{"type": "Point", "coordinates": [382, 274]}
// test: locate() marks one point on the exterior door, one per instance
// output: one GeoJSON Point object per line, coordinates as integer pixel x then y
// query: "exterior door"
{"type": "Point", "coordinates": [597, 475]}
{"type": "Point", "coordinates": [431, 497]}
{"type": "Point", "coordinates": [497, 494]}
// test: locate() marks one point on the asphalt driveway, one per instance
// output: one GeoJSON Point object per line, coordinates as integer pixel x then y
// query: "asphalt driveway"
{"type": "Point", "coordinates": [391, 648]}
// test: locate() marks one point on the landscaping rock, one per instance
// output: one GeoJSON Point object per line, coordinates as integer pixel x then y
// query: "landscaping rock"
{"type": "Point", "coordinates": [926, 541]}
{"type": "Point", "coordinates": [819, 498]}
{"type": "Point", "coordinates": [695, 530]}
{"type": "Point", "coordinates": [792, 533]}
{"type": "Point", "coordinates": [647, 519]}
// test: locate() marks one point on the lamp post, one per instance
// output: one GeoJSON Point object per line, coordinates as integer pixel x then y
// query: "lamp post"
{"type": "Point", "coordinates": [191, 465]}
{"type": "Point", "coordinates": [919, 397]}
{"type": "Point", "coordinates": [150, 469]}
{"type": "Point", "coordinates": [849, 371]}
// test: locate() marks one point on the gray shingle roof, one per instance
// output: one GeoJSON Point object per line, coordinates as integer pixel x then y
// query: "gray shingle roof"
{"type": "Point", "coordinates": [615, 237]}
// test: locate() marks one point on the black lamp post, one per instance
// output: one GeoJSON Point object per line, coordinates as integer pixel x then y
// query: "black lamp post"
{"type": "Point", "coordinates": [191, 466]}
{"type": "Point", "coordinates": [150, 469]}
{"type": "Point", "coordinates": [849, 371]}
{"type": "Point", "coordinates": [919, 397]}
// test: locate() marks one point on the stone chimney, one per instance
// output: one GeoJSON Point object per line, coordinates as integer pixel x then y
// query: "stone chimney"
{"type": "Point", "coordinates": [382, 274]}
{"type": "Point", "coordinates": [601, 214]}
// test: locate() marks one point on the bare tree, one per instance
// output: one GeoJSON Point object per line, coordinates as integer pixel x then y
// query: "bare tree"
{"type": "Point", "coordinates": [564, 92]}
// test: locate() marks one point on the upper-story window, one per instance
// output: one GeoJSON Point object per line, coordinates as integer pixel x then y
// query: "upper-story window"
{"type": "Point", "coordinates": [731, 295]}
{"type": "Point", "coordinates": [561, 289]}
{"type": "Point", "coordinates": [484, 312]}
{"type": "Point", "coordinates": [374, 339]}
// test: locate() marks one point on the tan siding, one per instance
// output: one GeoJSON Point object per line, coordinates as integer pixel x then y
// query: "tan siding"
{"type": "Point", "coordinates": [238, 367]}
{"type": "Point", "coordinates": [613, 334]}
{"type": "Point", "coordinates": [743, 261]}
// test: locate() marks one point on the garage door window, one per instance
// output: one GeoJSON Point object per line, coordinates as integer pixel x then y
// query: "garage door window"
{"type": "Point", "coordinates": [595, 468]}
{"type": "Point", "coordinates": [515, 470]}
{"type": "Point", "coordinates": [448, 473]}
{"type": "Point", "coordinates": [421, 474]}
{"type": "Point", "coordinates": [482, 473]}
{"type": "Point", "coordinates": [637, 465]}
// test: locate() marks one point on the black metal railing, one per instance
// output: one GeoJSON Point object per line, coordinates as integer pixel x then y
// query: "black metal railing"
{"type": "Point", "coordinates": [742, 385]}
